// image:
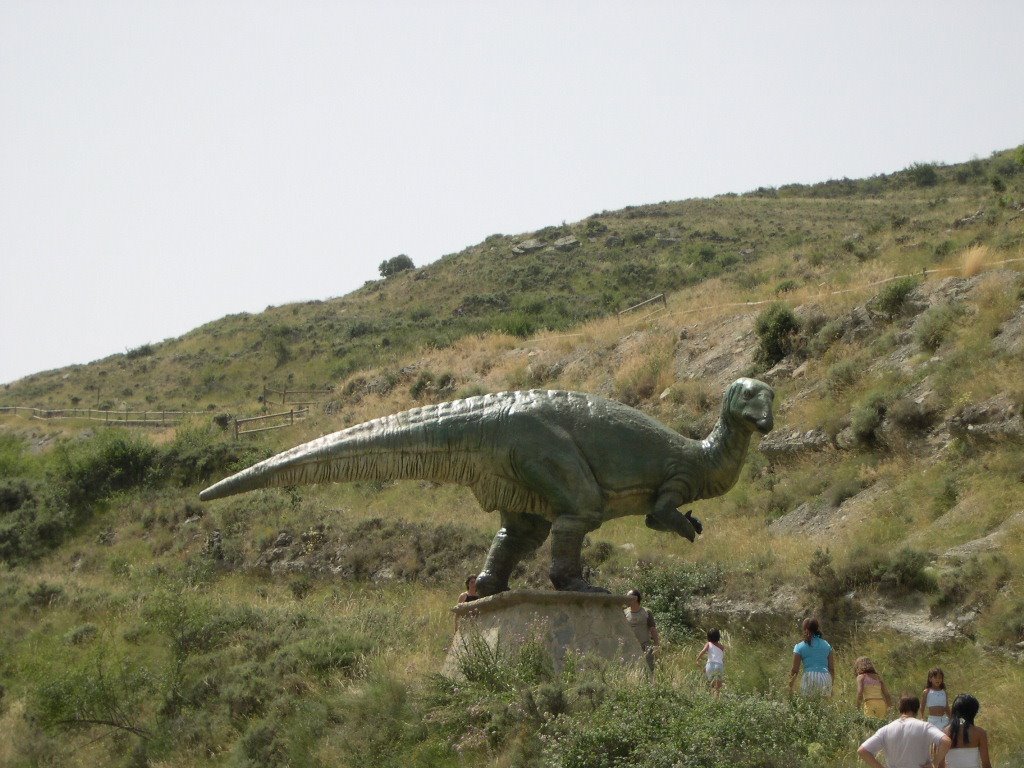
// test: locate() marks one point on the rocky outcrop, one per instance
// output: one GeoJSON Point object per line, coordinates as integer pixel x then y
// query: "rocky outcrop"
{"type": "Point", "coordinates": [993, 420]}
{"type": "Point", "coordinates": [787, 445]}
{"type": "Point", "coordinates": [527, 246]}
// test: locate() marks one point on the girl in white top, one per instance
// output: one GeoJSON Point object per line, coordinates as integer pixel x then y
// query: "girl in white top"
{"type": "Point", "coordinates": [970, 743]}
{"type": "Point", "coordinates": [934, 700]}
{"type": "Point", "coordinates": [714, 670]}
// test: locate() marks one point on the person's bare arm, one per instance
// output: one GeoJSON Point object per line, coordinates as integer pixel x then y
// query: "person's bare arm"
{"type": "Point", "coordinates": [868, 758]}
{"type": "Point", "coordinates": [986, 761]}
{"type": "Point", "coordinates": [794, 671]}
{"type": "Point", "coordinates": [924, 703]}
{"type": "Point", "coordinates": [860, 690]}
{"type": "Point", "coordinates": [655, 637]}
{"type": "Point", "coordinates": [885, 693]}
{"type": "Point", "coordinates": [703, 651]}
{"type": "Point", "coordinates": [941, 749]}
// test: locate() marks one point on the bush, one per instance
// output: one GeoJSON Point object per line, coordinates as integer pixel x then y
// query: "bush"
{"type": "Point", "coordinates": [923, 174]}
{"type": "Point", "coordinates": [892, 298]}
{"type": "Point", "coordinates": [843, 375]}
{"type": "Point", "coordinates": [90, 470]}
{"type": "Point", "coordinates": [776, 326]}
{"type": "Point", "coordinates": [96, 693]}
{"type": "Point", "coordinates": [898, 573]}
{"type": "Point", "coordinates": [658, 727]}
{"type": "Point", "coordinates": [867, 418]}
{"type": "Point", "coordinates": [667, 589]}
{"type": "Point", "coordinates": [934, 325]}
{"type": "Point", "coordinates": [200, 454]}
{"type": "Point", "coordinates": [394, 265]}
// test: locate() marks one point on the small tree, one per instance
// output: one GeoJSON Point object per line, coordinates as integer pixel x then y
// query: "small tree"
{"type": "Point", "coordinates": [395, 264]}
{"type": "Point", "coordinates": [775, 328]}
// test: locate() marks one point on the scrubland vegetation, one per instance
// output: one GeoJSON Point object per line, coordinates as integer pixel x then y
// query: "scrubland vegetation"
{"type": "Point", "coordinates": [304, 627]}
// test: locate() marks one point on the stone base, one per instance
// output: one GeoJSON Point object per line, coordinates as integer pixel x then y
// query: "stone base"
{"type": "Point", "coordinates": [580, 623]}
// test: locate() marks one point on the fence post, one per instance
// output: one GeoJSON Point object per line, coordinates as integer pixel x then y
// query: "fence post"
{"type": "Point", "coordinates": [236, 429]}
{"type": "Point", "coordinates": [291, 416]}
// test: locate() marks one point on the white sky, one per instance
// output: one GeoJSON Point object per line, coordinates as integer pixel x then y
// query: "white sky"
{"type": "Point", "coordinates": [163, 164]}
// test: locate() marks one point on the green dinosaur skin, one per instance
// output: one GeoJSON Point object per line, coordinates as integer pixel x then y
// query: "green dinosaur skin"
{"type": "Point", "coordinates": [550, 462]}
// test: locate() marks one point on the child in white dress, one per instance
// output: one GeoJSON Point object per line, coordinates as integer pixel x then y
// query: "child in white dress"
{"type": "Point", "coordinates": [714, 669]}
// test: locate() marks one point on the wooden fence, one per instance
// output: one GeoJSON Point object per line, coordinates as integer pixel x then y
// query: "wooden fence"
{"type": "Point", "coordinates": [124, 418]}
{"type": "Point", "coordinates": [284, 394]}
{"type": "Point", "coordinates": [654, 299]}
{"type": "Point", "coordinates": [285, 418]}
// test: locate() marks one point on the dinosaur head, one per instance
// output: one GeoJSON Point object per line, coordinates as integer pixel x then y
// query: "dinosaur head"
{"type": "Point", "coordinates": [748, 402]}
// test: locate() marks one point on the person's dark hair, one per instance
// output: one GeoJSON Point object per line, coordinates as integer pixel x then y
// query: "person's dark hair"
{"type": "Point", "coordinates": [812, 626]}
{"type": "Point", "coordinates": [469, 579]}
{"type": "Point", "coordinates": [714, 635]}
{"type": "Point", "coordinates": [909, 704]}
{"type": "Point", "coordinates": [635, 593]}
{"type": "Point", "coordinates": [962, 713]}
{"type": "Point", "coordinates": [931, 673]}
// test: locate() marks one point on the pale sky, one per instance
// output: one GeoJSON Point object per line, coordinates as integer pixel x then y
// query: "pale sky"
{"type": "Point", "coordinates": [163, 164]}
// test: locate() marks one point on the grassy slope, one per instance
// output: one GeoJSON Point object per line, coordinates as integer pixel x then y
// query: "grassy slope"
{"type": "Point", "coordinates": [249, 668]}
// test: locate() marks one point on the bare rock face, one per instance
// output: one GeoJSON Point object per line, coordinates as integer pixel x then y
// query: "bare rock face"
{"type": "Point", "coordinates": [995, 419]}
{"type": "Point", "coordinates": [566, 243]}
{"type": "Point", "coordinates": [527, 246]}
{"type": "Point", "coordinates": [1011, 335]}
{"type": "Point", "coordinates": [786, 445]}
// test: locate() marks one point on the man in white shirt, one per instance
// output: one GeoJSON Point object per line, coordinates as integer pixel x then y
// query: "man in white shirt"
{"type": "Point", "coordinates": [907, 742]}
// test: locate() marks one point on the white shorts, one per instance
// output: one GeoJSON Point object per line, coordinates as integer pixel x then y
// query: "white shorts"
{"type": "Point", "coordinates": [816, 684]}
{"type": "Point", "coordinates": [714, 670]}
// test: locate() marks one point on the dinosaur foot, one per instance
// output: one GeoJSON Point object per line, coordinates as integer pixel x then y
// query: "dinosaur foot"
{"type": "Point", "coordinates": [488, 584]}
{"type": "Point", "coordinates": [577, 585]}
{"type": "Point", "coordinates": [672, 521]}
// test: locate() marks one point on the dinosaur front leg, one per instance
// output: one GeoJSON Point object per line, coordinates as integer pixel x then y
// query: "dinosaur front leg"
{"type": "Point", "coordinates": [519, 536]}
{"type": "Point", "coordinates": [566, 554]}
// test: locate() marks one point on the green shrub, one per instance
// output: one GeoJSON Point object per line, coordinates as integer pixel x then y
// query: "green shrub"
{"type": "Point", "coordinates": [867, 418]}
{"type": "Point", "coordinates": [898, 573]}
{"type": "Point", "coordinates": [15, 459]}
{"type": "Point", "coordinates": [660, 727]}
{"type": "Point", "coordinates": [111, 461]}
{"type": "Point", "coordinates": [843, 375]}
{"type": "Point", "coordinates": [892, 298]}
{"type": "Point", "coordinates": [200, 454]}
{"type": "Point", "coordinates": [776, 327]}
{"type": "Point", "coordinates": [394, 265]}
{"type": "Point", "coordinates": [923, 174]}
{"type": "Point", "coordinates": [95, 693]}
{"type": "Point", "coordinates": [933, 326]}
{"type": "Point", "coordinates": [667, 590]}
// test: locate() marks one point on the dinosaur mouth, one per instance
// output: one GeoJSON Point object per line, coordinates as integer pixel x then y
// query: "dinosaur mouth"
{"type": "Point", "coordinates": [764, 424]}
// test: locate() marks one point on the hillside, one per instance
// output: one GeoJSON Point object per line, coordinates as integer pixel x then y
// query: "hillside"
{"type": "Point", "coordinates": [303, 626]}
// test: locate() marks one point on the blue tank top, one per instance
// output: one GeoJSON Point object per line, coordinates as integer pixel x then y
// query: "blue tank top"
{"type": "Point", "coordinates": [815, 656]}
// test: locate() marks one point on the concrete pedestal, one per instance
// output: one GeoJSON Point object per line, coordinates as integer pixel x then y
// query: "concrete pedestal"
{"type": "Point", "coordinates": [580, 623]}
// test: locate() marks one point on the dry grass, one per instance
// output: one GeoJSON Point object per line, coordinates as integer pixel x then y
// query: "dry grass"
{"type": "Point", "coordinates": [972, 261]}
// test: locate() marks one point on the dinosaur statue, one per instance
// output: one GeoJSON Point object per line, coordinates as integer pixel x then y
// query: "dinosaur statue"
{"type": "Point", "coordinates": [548, 461]}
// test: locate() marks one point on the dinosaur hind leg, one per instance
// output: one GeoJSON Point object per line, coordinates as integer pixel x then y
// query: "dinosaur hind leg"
{"type": "Point", "coordinates": [566, 573]}
{"type": "Point", "coordinates": [568, 485]}
{"type": "Point", "coordinates": [520, 535]}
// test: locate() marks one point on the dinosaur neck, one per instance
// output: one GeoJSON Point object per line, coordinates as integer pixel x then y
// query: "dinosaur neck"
{"type": "Point", "coordinates": [724, 450]}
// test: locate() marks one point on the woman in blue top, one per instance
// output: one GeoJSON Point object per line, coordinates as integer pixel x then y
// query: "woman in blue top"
{"type": "Point", "coordinates": [815, 654]}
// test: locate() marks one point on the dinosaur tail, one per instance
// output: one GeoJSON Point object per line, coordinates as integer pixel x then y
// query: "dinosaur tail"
{"type": "Point", "coordinates": [437, 442]}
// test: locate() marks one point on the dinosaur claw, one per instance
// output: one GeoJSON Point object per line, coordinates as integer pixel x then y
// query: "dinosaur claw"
{"type": "Point", "coordinates": [694, 521]}
{"type": "Point", "coordinates": [686, 525]}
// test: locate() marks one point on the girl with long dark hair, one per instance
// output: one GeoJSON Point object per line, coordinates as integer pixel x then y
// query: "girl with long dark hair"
{"type": "Point", "coordinates": [970, 743]}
